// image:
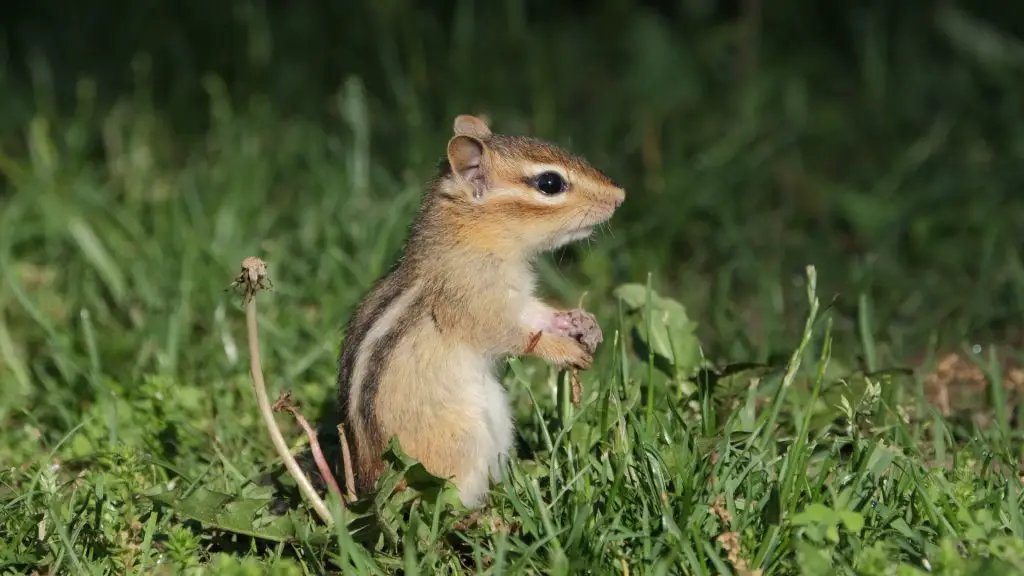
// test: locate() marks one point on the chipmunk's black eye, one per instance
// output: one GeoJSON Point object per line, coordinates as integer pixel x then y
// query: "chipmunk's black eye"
{"type": "Point", "coordinates": [549, 183]}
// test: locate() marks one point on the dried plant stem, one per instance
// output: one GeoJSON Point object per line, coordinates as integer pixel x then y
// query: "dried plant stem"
{"type": "Point", "coordinates": [576, 387]}
{"type": "Point", "coordinates": [253, 274]}
{"type": "Point", "coordinates": [268, 416]}
{"type": "Point", "coordinates": [284, 402]}
{"type": "Point", "coordinates": [346, 457]}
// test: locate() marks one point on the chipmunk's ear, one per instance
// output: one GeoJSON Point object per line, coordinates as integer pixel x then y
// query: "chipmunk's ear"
{"type": "Point", "coordinates": [468, 158]}
{"type": "Point", "coordinates": [471, 126]}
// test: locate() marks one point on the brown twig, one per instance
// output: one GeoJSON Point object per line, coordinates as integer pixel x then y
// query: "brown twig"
{"type": "Point", "coordinates": [534, 338]}
{"type": "Point", "coordinates": [285, 403]}
{"type": "Point", "coordinates": [253, 278]}
{"type": "Point", "coordinates": [346, 460]}
{"type": "Point", "coordinates": [576, 387]}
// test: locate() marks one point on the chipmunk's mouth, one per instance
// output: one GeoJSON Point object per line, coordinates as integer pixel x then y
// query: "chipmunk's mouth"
{"type": "Point", "coordinates": [579, 233]}
{"type": "Point", "coordinates": [571, 236]}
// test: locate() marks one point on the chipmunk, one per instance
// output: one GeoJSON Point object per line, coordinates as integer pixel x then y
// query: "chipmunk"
{"type": "Point", "coordinates": [419, 357]}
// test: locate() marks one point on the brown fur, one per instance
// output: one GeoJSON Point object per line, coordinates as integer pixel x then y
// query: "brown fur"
{"type": "Point", "coordinates": [463, 284]}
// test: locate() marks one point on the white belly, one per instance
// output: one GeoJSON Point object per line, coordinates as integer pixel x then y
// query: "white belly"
{"type": "Point", "coordinates": [488, 411]}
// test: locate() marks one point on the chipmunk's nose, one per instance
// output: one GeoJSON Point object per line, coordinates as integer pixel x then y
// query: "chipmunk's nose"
{"type": "Point", "coordinates": [619, 196]}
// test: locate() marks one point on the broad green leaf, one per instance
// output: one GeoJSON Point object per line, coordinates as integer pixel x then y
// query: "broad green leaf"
{"type": "Point", "coordinates": [671, 335]}
{"type": "Point", "coordinates": [832, 533]}
{"type": "Point", "coordinates": [633, 295]}
{"type": "Point", "coordinates": [853, 521]}
{"type": "Point", "coordinates": [249, 516]}
{"type": "Point", "coordinates": [812, 560]}
{"type": "Point", "coordinates": [815, 514]}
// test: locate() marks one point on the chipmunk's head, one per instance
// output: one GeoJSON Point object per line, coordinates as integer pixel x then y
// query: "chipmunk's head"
{"type": "Point", "coordinates": [519, 194]}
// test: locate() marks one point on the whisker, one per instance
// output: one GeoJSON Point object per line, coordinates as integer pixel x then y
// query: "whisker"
{"type": "Point", "coordinates": [582, 218]}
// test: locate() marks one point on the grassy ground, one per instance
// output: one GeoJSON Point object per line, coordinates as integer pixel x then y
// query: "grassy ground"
{"type": "Point", "coordinates": [809, 303]}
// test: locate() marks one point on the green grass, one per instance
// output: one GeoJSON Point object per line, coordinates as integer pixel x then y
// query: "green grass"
{"type": "Point", "coordinates": [791, 261]}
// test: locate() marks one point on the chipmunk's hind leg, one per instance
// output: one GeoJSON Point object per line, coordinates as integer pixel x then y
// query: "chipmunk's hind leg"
{"type": "Point", "coordinates": [448, 412]}
{"type": "Point", "coordinates": [448, 446]}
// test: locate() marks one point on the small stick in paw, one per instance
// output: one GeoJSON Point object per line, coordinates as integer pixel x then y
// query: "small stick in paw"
{"type": "Point", "coordinates": [581, 326]}
{"type": "Point", "coordinates": [575, 387]}
{"type": "Point", "coordinates": [534, 338]}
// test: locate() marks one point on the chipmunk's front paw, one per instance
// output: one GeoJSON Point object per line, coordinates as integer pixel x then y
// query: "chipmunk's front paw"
{"type": "Point", "coordinates": [581, 326]}
{"type": "Point", "coordinates": [563, 351]}
{"type": "Point", "coordinates": [579, 357]}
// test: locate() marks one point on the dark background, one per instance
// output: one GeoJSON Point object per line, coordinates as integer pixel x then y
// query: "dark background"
{"type": "Point", "coordinates": [880, 140]}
